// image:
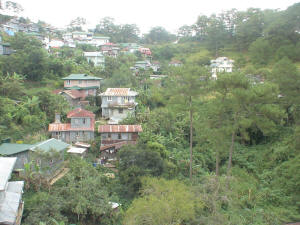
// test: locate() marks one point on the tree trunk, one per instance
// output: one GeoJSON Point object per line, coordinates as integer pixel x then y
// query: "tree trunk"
{"type": "Point", "coordinates": [217, 162]}
{"type": "Point", "coordinates": [191, 137]}
{"type": "Point", "coordinates": [230, 153]}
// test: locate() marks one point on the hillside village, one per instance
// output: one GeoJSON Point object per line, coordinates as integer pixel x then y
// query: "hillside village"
{"type": "Point", "coordinates": [201, 127]}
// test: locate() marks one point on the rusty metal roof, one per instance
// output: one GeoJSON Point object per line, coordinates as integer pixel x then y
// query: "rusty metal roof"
{"type": "Point", "coordinates": [79, 112]}
{"type": "Point", "coordinates": [74, 93]}
{"type": "Point", "coordinates": [56, 127]}
{"type": "Point", "coordinates": [120, 128]}
{"type": "Point", "coordinates": [118, 92]}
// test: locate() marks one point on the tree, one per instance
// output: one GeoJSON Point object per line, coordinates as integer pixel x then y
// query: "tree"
{"type": "Point", "coordinates": [159, 35]}
{"type": "Point", "coordinates": [77, 24]}
{"type": "Point", "coordinates": [162, 202]}
{"type": "Point", "coordinates": [247, 107]}
{"type": "Point", "coordinates": [260, 52]}
{"type": "Point", "coordinates": [186, 86]}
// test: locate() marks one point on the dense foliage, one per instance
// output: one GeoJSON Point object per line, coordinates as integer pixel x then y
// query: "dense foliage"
{"type": "Point", "coordinates": [223, 151]}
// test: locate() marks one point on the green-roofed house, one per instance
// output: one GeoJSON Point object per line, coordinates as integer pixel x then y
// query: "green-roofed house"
{"type": "Point", "coordinates": [23, 151]}
{"type": "Point", "coordinates": [85, 84]}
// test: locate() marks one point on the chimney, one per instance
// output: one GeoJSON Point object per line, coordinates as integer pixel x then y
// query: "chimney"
{"type": "Point", "coordinates": [57, 118]}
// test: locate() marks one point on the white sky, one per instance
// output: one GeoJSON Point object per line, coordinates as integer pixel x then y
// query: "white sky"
{"type": "Point", "coordinates": [170, 14]}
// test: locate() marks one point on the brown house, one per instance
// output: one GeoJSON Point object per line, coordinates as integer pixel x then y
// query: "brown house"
{"type": "Point", "coordinates": [113, 137]}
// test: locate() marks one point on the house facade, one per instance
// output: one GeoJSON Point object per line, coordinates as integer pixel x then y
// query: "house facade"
{"type": "Point", "coordinates": [113, 137]}
{"type": "Point", "coordinates": [23, 151]}
{"type": "Point", "coordinates": [85, 84]}
{"type": "Point", "coordinates": [175, 63]}
{"type": "Point", "coordinates": [80, 128]}
{"type": "Point", "coordinates": [97, 58]}
{"type": "Point", "coordinates": [4, 48]}
{"type": "Point", "coordinates": [11, 204]}
{"type": "Point", "coordinates": [98, 41]}
{"type": "Point", "coordinates": [221, 64]}
{"type": "Point", "coordinates": [118, 103]}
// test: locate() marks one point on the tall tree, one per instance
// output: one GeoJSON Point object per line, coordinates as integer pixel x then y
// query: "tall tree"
{"type": "Point", "coordinates": [186, 86]}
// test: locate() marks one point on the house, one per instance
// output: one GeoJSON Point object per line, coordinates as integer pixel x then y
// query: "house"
{"type": "Point", "coordinates": [118, 103]}
{"type": "Point", "coordinates": [97, 58]}
{"type": "Point", "coordinates": [155, 66]}
{"type": "Point", "coordinates": [98, 40]}
{"type": "Point", "coordinates": [4, 48]}
{"type": "Point", "coordinates": [80, 128]}
{"type": "Point", "coordinates": [129, 47]}
{"type": "Point", "coordinates": [112, 134]}
{"type": "Point", "coordinates": [110, 49]}
{"type": "Point", "coordinates": [11, 204]}
{"type": "Point", "coordinates": [145, 65]}
{"type": "Point", "coordinates": [23, 151]}
{"type": "Point", "coordinates": [113, 137]}
{"type": "Point", "coordinates": [81, 36]}
{"type": "Point", "coordinates": [175, 63]}
{"type": "Point", "coordinates": [74, 97]}
{"type": "Point", "coordinates": [85, 84]}
{"type": "Point", "coordinates": [146, 52]}
{"type": "Point", "coordinates": [55, 43]}
{"type": "Point", "coordinates": [221, 64]}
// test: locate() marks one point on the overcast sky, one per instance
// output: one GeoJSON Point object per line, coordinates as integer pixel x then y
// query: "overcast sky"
{"type": "Point", "coordinates": [170, 14]}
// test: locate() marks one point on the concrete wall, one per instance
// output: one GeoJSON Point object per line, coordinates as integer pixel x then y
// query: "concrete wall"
{"type": "Point", "coordinates": [82, 83]}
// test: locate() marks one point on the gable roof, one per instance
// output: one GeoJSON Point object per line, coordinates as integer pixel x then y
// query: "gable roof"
{"type": "Point", "coordinates": [81, 77]}
{"type": "Point", "coordinates": [50, 144]}
{"type": "Point", "coordinates": [118, 92]}
{"type": "Point", "coordinates": [120, 128]}
{"type": "Point", "coordinates": [79, 112]}
{"type": "Point", "coordinates": [11, 148]}
{"type": "Point", "coordinates": [73, 93]}
{"type": "Point", "coordinates": [6, 167]}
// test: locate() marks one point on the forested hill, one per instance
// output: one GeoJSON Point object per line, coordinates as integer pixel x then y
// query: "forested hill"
{"type": "Point", "coordinates": [212, 151]}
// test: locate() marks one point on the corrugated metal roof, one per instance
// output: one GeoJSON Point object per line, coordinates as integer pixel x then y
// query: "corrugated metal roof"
{"type": "Point", "coordinates": [74, 93]}
{"type": "Point", "coordinates": [11, 148]}
{"type": "Point", "coordinates": [79, 112]}
{"type": "Point", "coordinates": [6, 167]}
{"type": "Point", "coordinates": [118, 92]}
{"type": "Point", "coordinates": [120, 128]}
{"type": "Point", "coordinates": [9, 205]}
{"type": "Point", "coordinates": [81, 77]}
{"type": "Point", "coordinates": [56, 127]}
{"type": "Point", "coordinates": [76, 150]}
{"type": "Point", "coordinates": [50, 144]}
{"type": "Point", "coordinates": [93, 54]}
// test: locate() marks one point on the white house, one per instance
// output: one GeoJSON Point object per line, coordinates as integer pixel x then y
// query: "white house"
{"type": "Point", "coordinates": [221, 64]}
{"type": "Point", "coordinates": [96, 57]}
{"type": "Point", "coordinates": [98, 41]}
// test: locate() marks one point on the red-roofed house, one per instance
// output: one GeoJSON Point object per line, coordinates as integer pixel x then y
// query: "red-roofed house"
{"type": "Point", "coordinates": [111, 134]}
{"type": "Point", "coordinates": [113, 137]}
{"type": "Point", "coordinates": [81, 127]}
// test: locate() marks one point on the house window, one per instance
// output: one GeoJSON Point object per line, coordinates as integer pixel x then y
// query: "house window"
{"type": "Point", "coordinates": [77, 134]}
{"type": "Point", "coordinates": [76, 121]}
{"type": "Point", "coordinates": [109, 135]}
{"type": "Point", "coordinates": [126, 98]}
{"type": "Point", "coordinates": [109, 98]}
{"type": "Point", "coordinates": [120, 111]}
{"type": "Point", "coordinates": [68, 81]}
{"type": "Point", "coordinates": [83, 121]}
{"type": "Point", "coordinates": [119, 136]}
